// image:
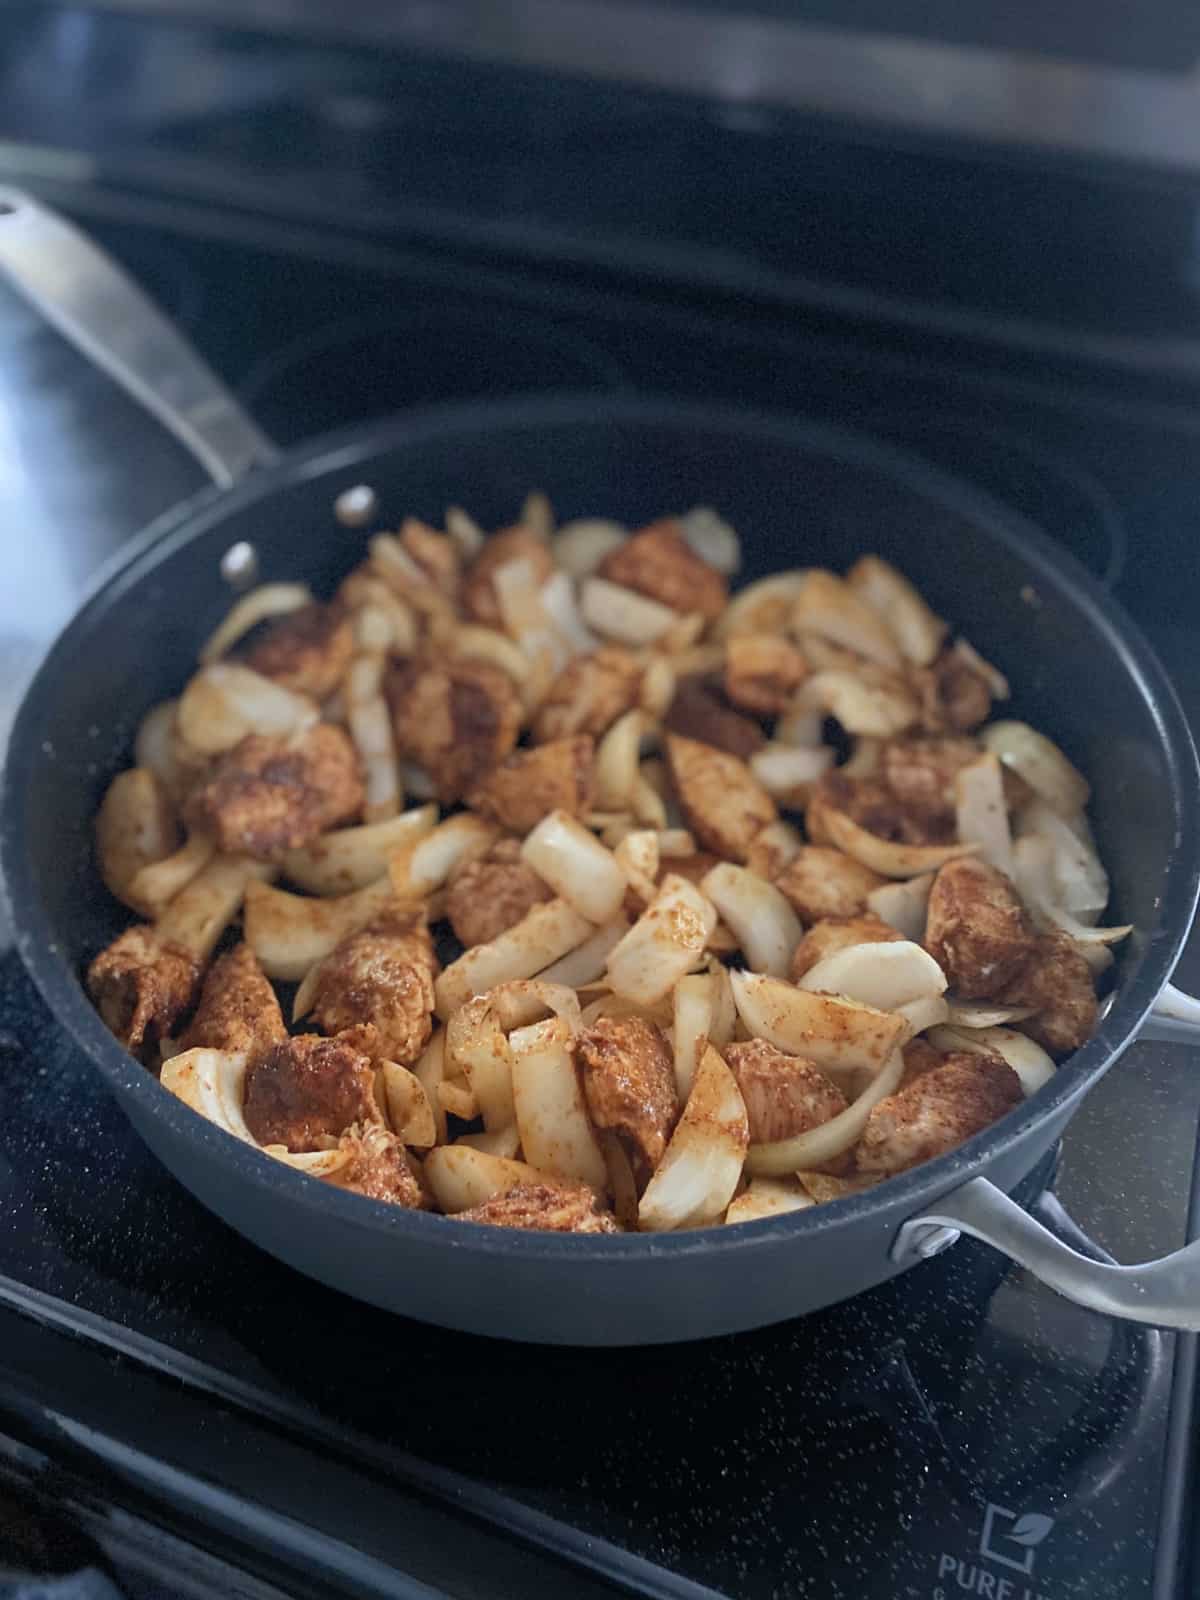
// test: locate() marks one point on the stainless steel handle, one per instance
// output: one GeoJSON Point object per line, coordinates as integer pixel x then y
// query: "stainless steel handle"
{"type": "Point", "coordinates": [1165, 1293]}
{"type": "Point", "coordinates": [1175, 1018]}
{"type": "Point", "coordinates": [92, 302]}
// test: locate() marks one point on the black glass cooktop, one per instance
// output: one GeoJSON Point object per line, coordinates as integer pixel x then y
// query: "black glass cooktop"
{"type": "Point", "coordinates": [962, 1431]}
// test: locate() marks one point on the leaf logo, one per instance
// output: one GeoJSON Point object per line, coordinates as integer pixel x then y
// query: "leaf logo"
{"type": "Point", "coordinates": [1030, 1529]}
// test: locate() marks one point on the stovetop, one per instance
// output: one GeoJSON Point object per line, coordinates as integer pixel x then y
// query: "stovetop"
{"type": "Point", "coordinates": [955, 1432]}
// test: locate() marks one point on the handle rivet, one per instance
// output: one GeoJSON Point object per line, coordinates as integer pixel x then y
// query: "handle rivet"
{"type": "Point", "coordinates": [239, 565]}
{"type": "Point", "coordinates": [356, 506]}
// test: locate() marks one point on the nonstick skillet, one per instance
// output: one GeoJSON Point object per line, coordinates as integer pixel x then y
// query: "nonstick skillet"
{"type": "Point", "coordinates": [798, 492]}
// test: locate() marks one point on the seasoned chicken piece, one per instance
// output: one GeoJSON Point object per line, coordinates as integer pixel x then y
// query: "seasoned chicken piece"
{"type": "Point", "coordinates": [723, 802]}
{"type": "Point", "coordinates": [825, 883]}
{"type": "Point", "coordinates": [306, 1091]}
{"type": "Point", "coordinates": [456, 718]}
{"type": "Point", "coordinates": [479, 600]}
{"type": "Point", "coordinates": [1058, 981]}
{"type": "Point", "coordinates": [921, 773]}
{"type": "Point", "coordinates": [381, 1168]}
{"type": "Point", "coordinates": [238, 1008]}
{"type": "Point", "coordinates": [531, 783]}
{"type": "Point", "coordinates": [785, 1095]}
{"type": "Point", "coordinates": [919, 1058]}
{"type": "Point", "coordinates": [659, 562]}
{"type": "Point", "coordinates": [873, 805]}
{"type": "Point", "coordinates": [629, 1082]}
{"type": "Point", "coordinates": [831, 934]}
{"type": "Point", "coordinates": [381, 976]}
{"type": "Point", "coordinates": [954, 697]}
{"type": "Point", "coordinates": [543, 1206]}
{"type": "Point", "coordinates": [976, 928]}
{"type": "Point", "coordinates": [435, 553]}
{"type": "Point", "coordinates": [307, 651]}
{"type": "Point", "coordinates": [491, 894]}
{"type": "Point", "coordinates": [589, 694]}
{"type": "Point", "coordinates": [271, 794]}
{"type": "Point", "coordinates": [141, 986]}
{"type": "Point", "coordinates": [698, 712]}
{"type": "Point", "coordinates": [937, 1111]}
{"type": "Point", "coordinates": [762, 672]}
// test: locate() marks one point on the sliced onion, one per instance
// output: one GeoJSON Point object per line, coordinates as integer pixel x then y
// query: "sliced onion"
{"type": "Point", "coordinates": [212, 1082]}
{"type": "Point", "coordinates": [622, 614]}
{"type": "Point", "coordinates": [476, 1043]}
{"type": "Point", "coordinates": [801, 727]}
{"type": "Point", "coordinates": [700, 1169]}
{"type": "Point", "coordinates": [885, 975]}
{"type": "Point", "coordinates": [468, 536]}
{"type": "Point", "coordinates": [903, 906]}
{"type": "Point", "coordinates": [202, 910]}
{"type": "Point", "coordinates": [771, 849]}
{"type": "Point", "coordinates": [823, 1144]}
{"type": "Point", "coordinates": [268, 600]}
{"type": "Point", "coordinates": [371, 729]}
{"type": "Point", "coordinates": [658, 687]}
{"type": "Point", "coordinates": [363, 589]}
{"type": "Point", "coordinates": [762, 920]}
{"type": "Point", "coordinates": [430, 1071]}
{"type": "Point", "coordinates": [982, 812]}
{"type": "Point", "coordinates": [674, 843]}
{"type": "Point", "coordinates": [637, 857]}
{"type": "Point", "coordinates": [424, 864]}
{"type": "Point", "coordinates": [762, 607]}
{"type": "Point", "coordinates": [899, 607]}
{"type": "Point", "coordinates": [996, 682]}
{"type": "Point", "coordinates": [829, 608]}
{"type": "Point", "coordinates": [226, 701]}
{"type": "Point", "coordinates": [684, 633]}
{"type": "Point", "coordinates": [524, 1000]}
{"type": "Point", "coordinates": [525, 616]}
{"type": "Point", "coordinates": [781, 768]}
{"type": "Point", "coordinates": [888, 859]}
{"type": "Point", "coordinates": [1080, 881]}
{"type": "Point", "coordinates": [351, 858]}
{"type": "Point", "coordinates": [712, 539]}
{"type": "Point", "coordinates": [837, 1034]}
{"type": "Point", "coordinates": [289, 933]}
{"type": "Point", "coordinates": [576, 866]}
{"type": "Point", "coordinates": [478, 643]}
{"type": "Point", "coordinates": [537, 514]}
{"type": "Point", "coordinates": [544, 934]}
{"type": "Point", "coordinates": [616, 771]}
{"type": "Point", "coordinates": [462, 1178]}
{"type": "Point", "coordinates": [927, 1011]}
{"type": "Point", "coordinates": [664, 944]}
{"type": "Point", "coordinates": [503, 1142]}
{"type": "Point", "coordinates": [1042, 764]}
{"type": "Point", "coordinates": [408, 1107]}
{"type": "Point", "coordinates": [648, 805]}
{"type": "Point", "coordinates": [694, 1001]}
{"type": "Point", "coordinates": [876, 708]}
{"type": "Point", "coordinates": [556, 1135]}
{"type": "Point", "coordinates": [581, 546]}
{"type": "Point", "coordinates": [1024, 1055]}
{"type": "Point", "coordinates": [1033, 869]}
{"type": "Point", "coordinates": [154, 744]}
{"type": "Point", "coordinates": [457, 1099]}
{"type": "Point", "coordinates": [562, 607]}
{"type": "Point", "coordinates": [587, 962]}
{"type": "Point", "coordinates": [313, 1163]}
{"type": "Point", "coordinates": [153, 887]}
{"type": "Point", "coordinates": [768, 1197]}
{"type": "Point", "coordinates": [984, 1013]}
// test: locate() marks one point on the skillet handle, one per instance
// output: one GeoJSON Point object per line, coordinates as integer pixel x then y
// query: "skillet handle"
{"type": "Point", "coordinates": [98, 308]}
{"type": "Point", "coordinates": [1174, 1019]}
{"type": "Point", "coordinates": [1164, 1293]}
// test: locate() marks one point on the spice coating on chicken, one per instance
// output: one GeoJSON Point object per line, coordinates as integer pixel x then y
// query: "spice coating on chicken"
{"type": "Point", "coordinates": [479, 598]}
{"type": "Point", "coordinates": [142, 986]}
{"type": "Point", "coordinates": [238, 1009]}
{"type": "Point", "coordinates": [921, 773]}
{"type": "Point", "coordinates": [1058, 982]}
{"type": "Point", "coordinates": [455, 718]}
{"type": "Point", "coordinates": [382, 977]}
{"type": "Point", "coordinates": [659, 562]}
{"type": "Point", "coordinates": [307, 651]}
{"type": "Point", "coordinates": [306, 1091]}
{"type": "Point", "coordinates": [762, 672]}
{"type": "Point", "coordinates": [491, 894]}
{"type": "Point", "coordinates": [629, 1084]}
{"type": "Point", "coordinates": [589, 694]}
{"type": "Point", "coordinates": [543, 1206]}
{"type": "Point", "coordinates": [380, 1167]}
{"type": "Point", "coordinates": [937, 1111]}
{"type": "Point", "coordinates": [723, 803]}
{"type": "Point", "coordinates": [976, 928]}
{"type": "Point", "coordinates": [271, 794]}
{"type": "Point", "coordinates": [819, 883]}
{"type": "Point", "coordinates": [785, 1095]}
{"type": "Point", "coordinates": [954, 697]}
{"type": "Point", "coordinates": [529, 784]}
{"type": "Point", "coordinates": [698, 712]}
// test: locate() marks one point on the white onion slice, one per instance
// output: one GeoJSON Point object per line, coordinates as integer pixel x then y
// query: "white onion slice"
{"type": "Point", "coordinates": [576, 866]}
{"type": "Point", "coordinates": [213, 1083]}
{"type": "Point", "coordinates": [588, 961]}
{"type": "Point", "coordinates": [581, 546]}
{"type": "Point", "coordinates": [996, 681]}
{"type": "Point", "coordinates": [899, 607]}
{"type": "Point", "coordinates": [700, 1169]}
{"type": "Point", "coordinates": [475, 1042]}
{"type": "Point", "coordinates": [664, 944]}
{"type": "Point", "coordinates": [762, 607]}
{"type": "Point", "coordinates": [823, 1144]}
{"type": "Point", "coordinates": [712, 539]}
{"type": "Point", "coordinates": [616, 774]}
{"type": "Point", "coordinates": [637, 857]}
{"type": "Point", "coordinates": [351, 858]}
{"type": "Point", "coordinates": [903, 906]}
{"type": "Point", "coordinates": [562, 607]}
{"type": "Point", "coordinates": [876, 708]}
{"type": "Point", "coordinates": [983, 1013]}
{"type": "Point", "coordinates": [556, 1135]}
{"type": "Point", "coordinates": [888, 859]}
{"type": "Point", "coordinates": [268, 600]}
{"type": "Point", "coordinates": [544, 934]}
{"type": "Point", "coordinates": [1041, 763]}
{"type": "Point", "coordinates": [982, 812]}
{"type": "Point", "coordinates": [462, 1178]}
{"type": "Point", "coordinates": [780, 768]}
{"type": "Point", "coordinates": [886, 975]}
{"type": "Point", "coordinates": [762, 920]}
{"type": "Point", "coordinates": [1024, 1055]}
{"type": "Point", "coordinates": [839, 1035]}
{"type": "Point", "coordinates": [226, 701]}
{"type": "Point", "coordinates": [424, 864]}
{"type": "Point", "coordinates": [622, 614]}
{"type": "Point", "coordinates": [828, 607]}
{"type": "Point", "coordinates": [1080, 881]}
{"type": "Point", "coordinates": [465, 531]}
{"type": "Point", "coordinates": [767, 1197]}
{"type": "Point", "coordinates": [926, 1011]}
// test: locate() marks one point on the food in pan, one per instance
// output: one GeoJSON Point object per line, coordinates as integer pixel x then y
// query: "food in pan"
{"type": "Point", "coordinates": [540, 881]}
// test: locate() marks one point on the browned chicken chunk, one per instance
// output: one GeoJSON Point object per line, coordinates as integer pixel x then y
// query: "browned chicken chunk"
{"type": "Point", "coordinates": [723, 802]}
{"type": "Point", "coordinates": [543, 1206]}
{"type": "Point", "coordinates": [455, 718]}
{"type": "Point", "coordinates": [825, 883]}
{"type": "Point", "coordinates": [977, 929]}
{"type": "Point", "coordinates": [491, 894]}
{"type": "Point", "coordinates": [381, 976]}
{"type": "Point", "coordinates": [785, 1095]}
{"type": "Point", "coordinates": [921, 773]}
{"type": "Point", "coordinates": [307, 652]}
{"type": "Point", "coordinates": [238, 1009]}
{"type": "Point", "coordinates": [142, 986]}
{"type": "Point", "coordinates": [919, 1058]}
{"type": "Point", "coordinates": [589, 694]}
{"type": "Point", "coordinates": [954, 697]}
{"type": "Point", "coordinates": [698, 712]}
{"type": "Point", "coordinates": [306, 1091]}
{"type": "Point", "coordinates": [512, 544]}
{"type": "Point", "coordinates": [831, 934]}
{"type": "Point", "coordinates": [937, 1111]}
{"type": "Point", "coordinates": [271, 794]}
{"type": "Point", "coordinates": [435, 553]}
{"type": "Point", "coordinates": [629, 1083]}
{"type": "Point", "coordinates": [659, 562]}
{"type": "Point", "coordinates": [1058, 981]}
{"type": "Point", "coordinates": [381, 1168]}
{"type": "Point", "coordinates": [531, 783]}
{"type": "Point", "coordinates": [762, 672]}
{"type": "Point", "coordinates": [873, 805]}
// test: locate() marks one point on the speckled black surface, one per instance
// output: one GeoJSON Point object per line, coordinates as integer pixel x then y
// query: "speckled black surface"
{"type": "Point", "coordinates": [852, 1454]}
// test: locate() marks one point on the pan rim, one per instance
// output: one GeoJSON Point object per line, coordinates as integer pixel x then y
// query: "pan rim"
{"type": "Point", "coordinates": [350, 447]}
